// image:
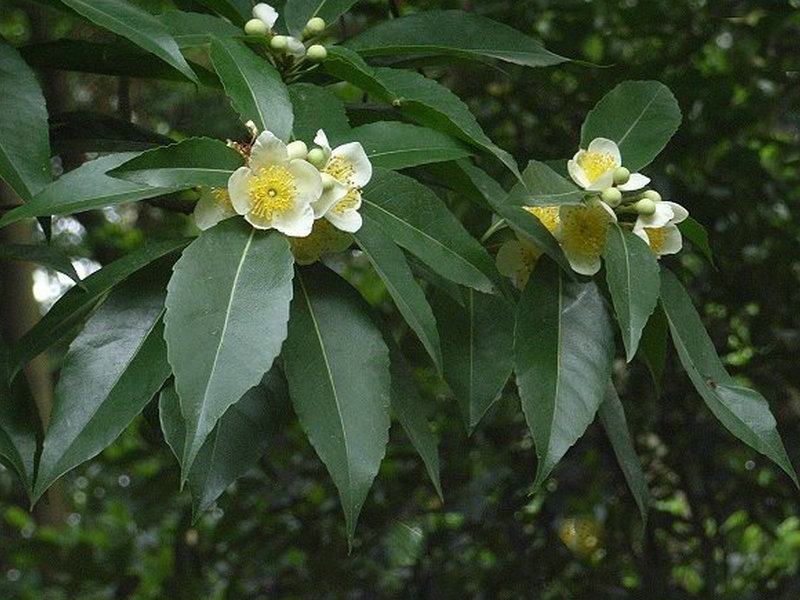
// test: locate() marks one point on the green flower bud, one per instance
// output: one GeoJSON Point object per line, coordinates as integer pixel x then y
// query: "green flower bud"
{"type": "Point", "coordinates": [652, 195]}
{"type": "Point", "coordinates": [279, 43]}
{"type": "Point", "coordinates": [645, 207]}
{"type": "Point", "coordinates": [621, 176]}
{"type": "Point", "coordinates": [327, 181]}
{"type": "Point", "coordinates": [256, 27]}
{"type": "Point", "coordinates": [317, 157]}
{"type": "Point", "coordinates": [316, 53]}
{"type": "Point", "coordinates": [612, 197]}
{"type": "Point", "coordinates": [297, 149]}
{"type": "Point", "coordinates": [315, 26]}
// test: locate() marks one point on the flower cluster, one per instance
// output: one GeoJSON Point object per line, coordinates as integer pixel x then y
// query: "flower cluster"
{"type": "Point", "coordinates": [613, 193]}
{"type": "Point", "coordinates": [295, 50]}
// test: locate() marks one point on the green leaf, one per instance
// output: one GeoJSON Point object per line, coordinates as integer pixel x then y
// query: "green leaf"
{"type": "Point", "coordinates": [43, 254]}
{"type": "Point", "coordinates": [542, 186]}
{"type": "Point", "coordinates": [239, 440]}
{"type": "Point", "coordinates": [19, 423]}
{"type": "Point", "coordinates": [391, 266]}
{"type": "Point", "coordinates": [634, 282]}
{"type": "Point", "coordinates": [84, 131]}
{"type": "Point", "coordinates": [416, 219]}
{"type": "Point", "coordinates": [111, 371]}
{"type": "Point", "coordinates": [317, 108]}
{"type": "Point", "coordinates": [477, 347]}
{"type": "Point", "coordinates": [743, 412]}
{"type": "Point", "coordinates": [253, 86]}
{"type": "Point", "coordinates": [395, 145]}
{"type": "Point", "coordinates": [564, 349]}
{"type": "Point", "coordinates": [530, 229]}
{"type": "Point", "coordinates": [141, 28]}
{"type": "Point", "coordinates": [422, 99]}
{"type": "Point", "coordinates": [190, 29]}
{"type": "Point", "coordinates": [453, 33]}
{"type": "Point", "coordinates": [73, 306]}
{"type": "Point", "coordinates": [653, 346]}
{"type": "Point", "coordinates": [470, 182]}
{"type": "Point", "coordinates": [85, 188]}
{"type": "Point", "coordinates": [238, 11]}
{"type": "Point", "coordinates": [298, 12]}
{"type": "Point", "coordinates": [697, 234]}
{"type": "Point", "coordinates": [640, 116]}
{"type": "Point", "coordinates": [612, 416]}
{"type": "Point", "coordinates": [337, 366]}
{"type": "Point", "coordinates": [24, 144]}
{"type": "Point", "coordinates": [185, 164]}
{"type": "Point", "coordinates": [227, 307]}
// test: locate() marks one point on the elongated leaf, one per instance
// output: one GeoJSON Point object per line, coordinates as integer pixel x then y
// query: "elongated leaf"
{"type": "Point", "coordinates": [653, 346]}
{"type": "Point", "coordinates": [477, 347]}
{"type": "Point", "coordinates": [253, 86]}
{"type": "Point", "coordinates": [743, 412]}
{"type": "Point", "coordinates": [530, 229]}
{"type": "Point", "coordinates": [73, 306]}
{"type": "Point", "coordinates": [47, 256]}
{"type": "Point", "coordinates": [84, 131]}
{"type": "Point", "coordinates": [190, 29]}
{"type": "Point", "coordinates": [395, 145]}
{"type": "Point", "coordinates": [227, 307]}
{"type": "Point", "coordinates": [298, 12]}
{"type": "Point", "coordinates": [188, 163]}
{"type": "Point", "coordinates": [85, 188]}
{"type": "Point", "coordinates": [542, 186]}
{"type": "Point", "coordinates": [416, 219]}
{"type": "Point", "coordinates": [24, 145]}
{"type": "Point", "coordinates": [317, 108]}
{"type": "Point", "coordinates": [634, 282]}
{"type": "Point", "coordinates": [469, 181]}
{"type": "Point", "coordinates": [111, 371]}
{"type": "Point", "coordinates": [238, 11]}
{"type": "Point", "coordinates": [453, 33]}
{"type": "Point", "coordinates": [422, 99]}
{"type": "Point", "coordinates": [337, 366]}
{"type": "Point", "coordinates": [612, 416]}
{"type": "Point", "coordinates": [640, 116]}
{"type": "Point", "coordinates": [141, 28]}
{"type": "Point", "coordinates": [697, 234]}
{"type": "Point", "coordinates": [564, 349]}
{"type": "Point", "coordinates": [239, 440]}
{"type": "Point", "coordinates": [391, 266]}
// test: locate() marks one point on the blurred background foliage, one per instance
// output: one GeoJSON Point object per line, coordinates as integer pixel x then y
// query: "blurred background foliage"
{"type": "Point", "coordinates": [724, 524]}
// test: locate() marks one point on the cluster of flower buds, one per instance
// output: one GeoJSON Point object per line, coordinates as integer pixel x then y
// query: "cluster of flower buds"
{"type": "Point", "coordinates": [263, 22]}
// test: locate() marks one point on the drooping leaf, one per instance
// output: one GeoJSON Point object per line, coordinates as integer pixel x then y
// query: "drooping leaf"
{"type": "Point", "coordinates": [395, 145]}
{"type": "Point", "coordinates": [564, 348]}
{"type": "Point", "coordinates": [111, 371]}
{"type": "Point", "coordinates": [73, 306]}
{"type": "Point", "coordinates": [141, 28]}
{"type": "Point", "coordinates": [84, 131]}
{"type": "Point", "coordinates": [416, 219]}
{"type": "Point", "coordinates": [253, 86]}
{"type": "Point", "coordinates": [653, 346]}
{"type": "Point", "coordinates": [188, 163]}
{"type": "Point", "coordinates": [239, 440]}
{"type": "Point", "coordinates": [633, 280]}
{"type": "Point", "coordinates": [337, 366]}
{"type": "Point", "coordinates": [422, 99]}
{"type": "Point", "coordinates": [640, 116]}
{"type": "Point", "coordinates": [238, 11]}
{"type": "Point", "coordinates": [692, 230]}
{"type": "Point", "coordinates": [743, 412]}
{"type": "Point", "coordinates": [542, 186]}
{"type": "Point", "coordinates": [42, 254]}
{"type": "Point", "coordinates": [612, 416]}
{"type": "Point", "coordinates": [469, 181]}
{"type": "Point", "coordinates": [227, 307]}
{"type": "Point", "coordinates": [85, 188]}
{"type": "Point", "coordinates": [477, 347]}
{"type": "Point", "coordinates": [391, 266]}
{"type": "Point", "coordinates": [317, 108]}
{"type": "Point", "coordinates": [190, 29]}
{"type": "Point", "coordinates": [453, 33]}
{"type": "Point", "coordinates": [298, 12]}
{"type": "Point", "coordinates": [24, 144]}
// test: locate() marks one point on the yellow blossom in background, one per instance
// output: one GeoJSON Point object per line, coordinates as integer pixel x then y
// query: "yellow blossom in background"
{"type": "Point", "coordinates": [516, 260]}
{"type": "Point", "coordinates": [323, 239]}
{"type": "Point", "coordinates": [548, 215]}
{"type": "Point", "coordinates": [213, 206]}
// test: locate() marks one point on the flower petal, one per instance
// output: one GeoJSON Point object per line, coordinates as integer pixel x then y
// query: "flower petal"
{"type": "Point", "coordinates": [295, 223]}
{"type": "Point", "coordinates": [606, 180]}
{"type": "Point", "coordinates": [321, 140]}
{"type": "Point", "coordinates": [354, 154]}
{"type": "Point", "coordinates": [208, 212]}
{"type": "Point", "coordinates": [307, 181]}
{"type": "Point", "coordinates": [661, 217]}
{"type": "Point", "coordinates": [328, 199]}
{"type": "Point", "coordinates": [577, 173]}
{"type": "Point", "coordinates": [609, 210]}
{"type": "Point", "coordinates": [672, 241]}
{"type": "Point", "coordinates": [264, 12]}
{"type": "Point", "coordinates": [239, 190]}
{"type": "Point", "coordinates": [679, 213]}
{"type": "Point", "coordinates": [295, 47]}
{"type": "Point", "coordinates": [606, 146]}
{"type": "Point", "coordinates": [268, 150]}
{"type": "Point", "coordinates": [636, 182]}
{"type": "Point", "coordinates": [583, 264]}
{"type": "Point", "coordinates": [349, 220]}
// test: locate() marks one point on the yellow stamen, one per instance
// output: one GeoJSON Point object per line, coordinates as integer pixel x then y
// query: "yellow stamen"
{"type": "Point", "coordinates": [657, 236]}
{"type": "Point", "coordinates": [349, 202]}
{"type": "Point", "coordinates": [222, 199]}
{"type": "Point", "coordinates": [594, 164]}
{"type": "Point", "coordinates": [340, 169]}
{"type": "Point", "coordinates": [583, 231]}
{"type": "Point", "coordinates": [273, 191]}
{"type": "Point", "coordinates": [548, 215]}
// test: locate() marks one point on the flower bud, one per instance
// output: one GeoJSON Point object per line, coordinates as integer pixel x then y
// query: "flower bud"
{"type": "Point", "coordinates": [256, 27]}
{"type": "Point", "coordinates": [652, 195]}
{"type": "Point", "coordinates": [317, 53]}
{"type": "Point", "coordinates": [612, 197]}
{"type": "Point", "coordinates": [621, 176]}
{"type": "Point", "coordinates": [317, 157]}
{"type": "Point", "coordinates": [279, 43]}
{"type": "Point", "coordinates": [297, 149]}
{"type": "Point", "coordinates": [315, 26]}
{"type": "Point", "coordinates": [645, 207]}
{"type": "Point", "coordinates": [327, 181]}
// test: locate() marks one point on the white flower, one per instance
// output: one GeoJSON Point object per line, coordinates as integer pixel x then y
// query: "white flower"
{"type": "Point", "coordinates": [349, 166]}
{"type": "Point", "coordinates": [582, 231]}
{"type": "Point", "coordinates": [660, 229]}
{"type": "Point", "coordinates": [516, 260]}
{"type": "Point", "coordinates": [295, 47]}
{"type": "Point", "coordinates": [274, 191]}
{"type": "Point", "coordinates": [593, 168]}
{"type": "Point", "coordinates": [265, 13]}
{"type": "Point", "coordinates": [213, 206]}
